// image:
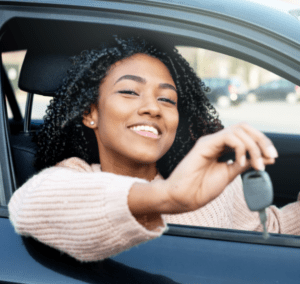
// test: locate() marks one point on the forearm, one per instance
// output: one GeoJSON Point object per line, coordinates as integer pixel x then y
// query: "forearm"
{"type": "Point", "coordinates": [146, 198]}
{"type": "Point", "coordinates": [153, 199]}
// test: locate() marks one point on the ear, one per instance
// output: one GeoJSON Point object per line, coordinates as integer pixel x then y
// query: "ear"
{"type": "Point", "coordinates": [91, 120]}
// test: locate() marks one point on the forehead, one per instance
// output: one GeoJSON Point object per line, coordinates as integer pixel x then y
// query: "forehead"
{"type": "Point", "coordinates": [139, 64]}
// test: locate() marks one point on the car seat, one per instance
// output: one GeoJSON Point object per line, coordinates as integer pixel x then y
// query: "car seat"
{"type": "Point", "coordinates": [41, 74]}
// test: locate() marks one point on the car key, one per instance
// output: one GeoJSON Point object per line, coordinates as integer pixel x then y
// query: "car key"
{"type": "Point", "coordinates": [258, 191]}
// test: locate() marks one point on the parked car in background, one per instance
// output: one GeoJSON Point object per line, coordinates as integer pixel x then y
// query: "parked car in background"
{"type": "Point", "coordinates": [224, 92]}
{"type": "Point", "coordinates": [275, 90]}
{"type": "Point", "coordinates": [51, 31]}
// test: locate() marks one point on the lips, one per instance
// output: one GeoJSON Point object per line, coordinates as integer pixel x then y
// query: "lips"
{"type": "Point", "coordinates": [147, 134]}
{"type": "Point", "coordinates": [151, 131]}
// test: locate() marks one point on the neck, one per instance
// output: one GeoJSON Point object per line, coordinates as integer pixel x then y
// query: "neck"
{"type": "Point", "coordinates": [123, 166]}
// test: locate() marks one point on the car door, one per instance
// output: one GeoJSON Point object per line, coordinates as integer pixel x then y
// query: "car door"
{"type": "Point", "coordinates": [184, 254]}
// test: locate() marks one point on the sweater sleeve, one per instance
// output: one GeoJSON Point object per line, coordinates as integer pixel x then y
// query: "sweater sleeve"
{"type": "Point", "coordinates": [84, 214]}
{"type": "Point", "coordinates": [284, 221]}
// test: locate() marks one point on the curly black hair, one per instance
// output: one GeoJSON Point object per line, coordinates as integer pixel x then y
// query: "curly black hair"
{"type": "Point", "coordinates": [63, 134]}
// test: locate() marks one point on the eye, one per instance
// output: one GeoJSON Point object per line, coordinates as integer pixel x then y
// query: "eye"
{"type": "Point", "coordinates": [168, 101]}
{"type": "Point", "coordinates": [128, 92]}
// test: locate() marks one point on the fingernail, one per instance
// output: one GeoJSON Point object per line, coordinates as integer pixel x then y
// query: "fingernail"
{"type": "Point", "coordinates": [260, 164]}
{"type": "Point", "coordinates": [272, 151]}
{"type": "Point", "coordinates": [243, 161]}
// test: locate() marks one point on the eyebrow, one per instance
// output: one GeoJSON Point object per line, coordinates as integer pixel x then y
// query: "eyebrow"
{"type": "Point", "coordinates": [131, 77]}
{"type": "Point", "coordinates": [167, 86]}
{"type": "Point", "coordinates": [142, 80]}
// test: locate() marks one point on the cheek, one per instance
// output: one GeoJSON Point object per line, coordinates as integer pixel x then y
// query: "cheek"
{"type": "Point", "coordinates": [111, 113]}
{"type": "Point", "coordinates": [173, 121]}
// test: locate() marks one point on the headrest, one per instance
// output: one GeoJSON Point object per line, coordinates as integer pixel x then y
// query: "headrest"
{"type": "Point", "coordinates": [43, 74]}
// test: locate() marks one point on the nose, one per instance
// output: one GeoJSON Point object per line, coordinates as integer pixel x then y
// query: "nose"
{"type": "Point", "coordinates": [149, 106]}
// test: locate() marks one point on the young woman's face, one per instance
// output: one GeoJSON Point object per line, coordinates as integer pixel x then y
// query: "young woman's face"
{"type": "Point", "coordinates": [137, 114]}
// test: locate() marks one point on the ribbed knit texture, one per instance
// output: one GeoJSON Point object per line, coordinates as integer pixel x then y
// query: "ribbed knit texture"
{"type": "Point", "coordinates": [79, 210]}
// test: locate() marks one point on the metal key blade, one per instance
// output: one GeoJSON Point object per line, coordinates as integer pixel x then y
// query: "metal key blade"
{"type": "Point", "coordinates": [263, 220]}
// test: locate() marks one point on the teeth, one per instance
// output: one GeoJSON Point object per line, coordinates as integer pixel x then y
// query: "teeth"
{"type": "Point", "coordinates": [145, 128]}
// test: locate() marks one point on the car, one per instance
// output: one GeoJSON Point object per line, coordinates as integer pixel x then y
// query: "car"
{"type": "Point", "coordinates": [223, 92]}
{"type": "Point", "coordinates": [50, 31]}
{"type": "Point", "coordinates": [275, 90]}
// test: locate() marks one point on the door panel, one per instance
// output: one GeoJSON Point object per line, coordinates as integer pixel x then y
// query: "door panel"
{"type": "Point", "coordinates": [169, 259]}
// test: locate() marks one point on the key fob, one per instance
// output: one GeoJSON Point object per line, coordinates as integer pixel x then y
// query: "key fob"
{"type": "Point", "coordinates": [258, 190]}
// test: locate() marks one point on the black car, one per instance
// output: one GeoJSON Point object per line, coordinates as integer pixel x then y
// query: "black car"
{"type": "Point", "coordinates": [275, 90]}
{"type": "Point", "coordinates": [49, 32]}
{"type": "Point", "coordinates": [223, 92]}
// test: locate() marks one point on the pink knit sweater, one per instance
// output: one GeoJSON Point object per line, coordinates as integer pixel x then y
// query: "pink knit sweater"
{"type": "Point", "coordinates": [79, 210]}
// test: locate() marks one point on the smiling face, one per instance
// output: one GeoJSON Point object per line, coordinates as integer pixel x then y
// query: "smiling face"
{"type": "Point", "coordinates": [137, 117]}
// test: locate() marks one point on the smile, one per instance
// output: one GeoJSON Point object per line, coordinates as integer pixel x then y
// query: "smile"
{"type": "Point", "coordinates": [146, 130]}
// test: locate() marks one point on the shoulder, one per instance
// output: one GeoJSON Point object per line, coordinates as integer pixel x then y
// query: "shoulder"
{"type": "Point", "coordinates": [64, 170]}
{"type": "Point", "coordinates": [78, 164]}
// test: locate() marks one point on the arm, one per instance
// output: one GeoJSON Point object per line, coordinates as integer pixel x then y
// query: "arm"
{"type": "Point", "coordinates": [84, 214]}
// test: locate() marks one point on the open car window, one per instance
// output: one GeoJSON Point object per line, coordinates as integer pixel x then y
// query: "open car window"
{"type": "Point", "coordinates": [239, 90]}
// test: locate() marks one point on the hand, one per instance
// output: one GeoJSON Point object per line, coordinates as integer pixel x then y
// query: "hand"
{"type": "Point", "coordinates": [199, 177]}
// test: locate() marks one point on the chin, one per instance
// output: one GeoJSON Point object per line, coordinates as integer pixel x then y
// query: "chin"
{"type": "Point", "coordinates": [146, 160]}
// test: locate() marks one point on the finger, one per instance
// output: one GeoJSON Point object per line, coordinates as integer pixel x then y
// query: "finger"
{"type": "Point", "coordinates": [235, 169]}
{"type": "Point", "coordinates": [267, 148]}
{"type": "Point", "coordinates": [256, 159]}
{"type": "Point", "coordinates": [269, 161]}
{"type": "Point", "coordinates": [217, 144]}
{"type": "Point", "coordinates": [234, 142]}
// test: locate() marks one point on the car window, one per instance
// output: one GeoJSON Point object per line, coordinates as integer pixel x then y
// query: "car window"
{"type": "Point", "coordinates": [235, 90]}
{"type": "Point", "coordinates": [250, 90]}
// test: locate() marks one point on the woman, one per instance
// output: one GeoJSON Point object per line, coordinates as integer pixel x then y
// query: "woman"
{"type": "Point", "coordinates": [147, 109]}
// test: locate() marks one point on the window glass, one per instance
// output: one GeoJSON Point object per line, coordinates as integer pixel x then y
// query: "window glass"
{"type": "Point", "coordinates": [12, 62]}
{"type": "Point", "coordinates": [241, 91]}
